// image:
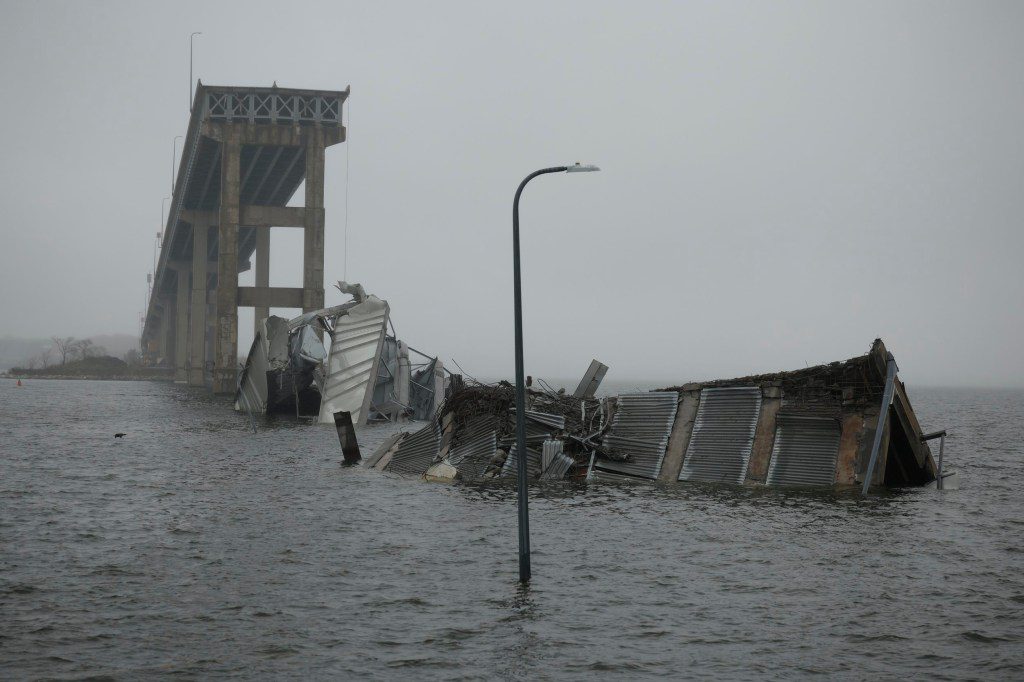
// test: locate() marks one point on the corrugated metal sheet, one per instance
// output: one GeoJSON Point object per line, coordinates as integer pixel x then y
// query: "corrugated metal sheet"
{"type": "Point", "coordinates": [723, 434]}
{"type": "Point", "coordinates": [554, 421]}
{"type": "Point", "coordinates": [416, 453]}
{"type": "Point", "coordinates": [421, 391]}
{"type": "Point", "coordinates": [805, 451]}
{"type": "Point", "coordinates": [532, 462]}
{"type": "Point", "coordinates": [252, 383]}
{"type": "Point", "coordinates": [554, 463]}
{"type": "Point", "coordinates": [640, 429]}
{"type": "Point", "coordinates": [536, 434]}
{"type": "Point", "coordinates": [474, 448]}
{"type": "Point", "coordinates": [352, 364]}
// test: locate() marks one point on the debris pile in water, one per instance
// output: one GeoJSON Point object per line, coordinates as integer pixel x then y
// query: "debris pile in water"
{"type": "Point", "coordinates": [841, 424]}
{"type": "Point", "coordinates": [472, 438]}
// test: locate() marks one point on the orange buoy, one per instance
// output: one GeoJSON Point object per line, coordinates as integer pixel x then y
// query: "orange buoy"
{"type": "Point", "coordinates": [19, 383]}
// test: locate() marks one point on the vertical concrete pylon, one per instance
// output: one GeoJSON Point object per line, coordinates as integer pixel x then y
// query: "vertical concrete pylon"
{"type": "Point", "coordinates": [262, 268]}
{"type": "Point", "coordinates": [181, 326]}
{"type": "Point", "coordinates": [313, 242]}
{"type": "Point", "coordinates": [168, 333]}
{"type": "Point", "coordinates": [226, 340]}
{"type": "Point", "coordinates": [197, 309]}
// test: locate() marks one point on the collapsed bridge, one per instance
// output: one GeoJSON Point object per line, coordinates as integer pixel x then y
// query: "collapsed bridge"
{"type": "Point", "coordinates": [246, 152]}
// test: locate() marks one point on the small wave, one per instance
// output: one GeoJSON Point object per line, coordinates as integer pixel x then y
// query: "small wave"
{"type": "Point", "coordinates": [402, 601]}
{"type": "Point", "coordinates": [976, 636]}
{"type": "Point", "coordinates": [876, 638]}
{"type": "Point", "coordinates": [20, 588]}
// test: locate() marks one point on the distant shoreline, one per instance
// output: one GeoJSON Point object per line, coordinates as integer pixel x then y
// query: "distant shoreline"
{"type": "Point", "coordinates": [91, 377]}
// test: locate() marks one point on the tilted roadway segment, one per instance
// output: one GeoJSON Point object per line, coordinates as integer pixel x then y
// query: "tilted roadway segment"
{"type": "Point", "coordinates": [246, 152]}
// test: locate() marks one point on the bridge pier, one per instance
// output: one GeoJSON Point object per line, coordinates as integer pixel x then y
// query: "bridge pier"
{"type": "Point", "coordinates": [181, 324]}
{"type": "Point", "coordinates": [313, 238]}
{"type": "Point", "coordinates": [167, 336]}
{"type": "Point", "coordinates": [262, 270]}
{"type": "Point", "coordinates": [225, 350]}
{"type": "Point", "coordinates": [197, 311]}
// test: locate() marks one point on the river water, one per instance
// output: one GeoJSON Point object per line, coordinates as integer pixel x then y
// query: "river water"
{"type": "Point", "coordinates": [194, 548]}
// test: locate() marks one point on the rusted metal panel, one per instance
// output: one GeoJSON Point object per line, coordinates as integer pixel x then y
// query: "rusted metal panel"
{"type": "Point", "coordinates": [723, 435]}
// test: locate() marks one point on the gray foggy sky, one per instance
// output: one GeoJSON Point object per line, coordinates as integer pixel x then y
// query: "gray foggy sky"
{"type": "Point", "coordinates": [782, 182]}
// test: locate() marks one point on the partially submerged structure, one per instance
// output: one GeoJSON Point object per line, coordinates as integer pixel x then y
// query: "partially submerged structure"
{"type": "Point", "coordinates": [841, 424]}
{"type": "Point", "coordinates": [363, 370]}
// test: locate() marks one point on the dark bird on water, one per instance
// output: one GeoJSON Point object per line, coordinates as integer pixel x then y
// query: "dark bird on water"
{"type": "Point", "coordinates": [120, 435]}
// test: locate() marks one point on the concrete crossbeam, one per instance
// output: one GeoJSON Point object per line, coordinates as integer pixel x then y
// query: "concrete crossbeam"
{"type": "Point", "coordinates": [270, 297]}
{"type": "Point", "coordinates": [270, 134]}
{"type": "Point", "coordinates": [274, 216]}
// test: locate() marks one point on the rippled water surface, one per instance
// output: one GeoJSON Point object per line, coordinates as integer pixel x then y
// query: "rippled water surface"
{"type": "Point", "coordinates": [194, 548]}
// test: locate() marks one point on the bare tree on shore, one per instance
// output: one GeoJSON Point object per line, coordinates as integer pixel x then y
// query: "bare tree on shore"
{"type": "Point", "coordinates": [82, 349]}
{"type": "Point", "coordinates": [65, 346]}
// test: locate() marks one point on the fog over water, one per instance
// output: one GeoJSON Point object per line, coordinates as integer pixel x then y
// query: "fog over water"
{"type": "Point", "coordinates": [781, 182]}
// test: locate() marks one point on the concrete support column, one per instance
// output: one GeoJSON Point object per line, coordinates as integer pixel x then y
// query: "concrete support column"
{"type": "Point", "coordinates": [167, 331]}
{"type": "Point", "coordinates": [679, 439]}
{"type": "Point", "coordinates": [262, 267]}
{"type": "Point", "coordinates": [313, 244]}
{"type": "Point", "coordinates": [439, 383]}
{"type": "Point", "coordinates": [226, 341]}
{"type": "Point", "coordinates": [161, 333]}
{"type": "Point", "coordinates": [181, 326]}
{"type": "Point", "coordinates": [197, 310]}
{"type": "Point", "coordinates": [403, 375]}
{"type": "Point", "coordinates": [764, 435]}
{"type": "Point", "coordinates": [850, 440]}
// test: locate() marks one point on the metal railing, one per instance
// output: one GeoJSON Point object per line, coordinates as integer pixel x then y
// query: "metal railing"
{"type": "Point", "coordinates": [273, 107]}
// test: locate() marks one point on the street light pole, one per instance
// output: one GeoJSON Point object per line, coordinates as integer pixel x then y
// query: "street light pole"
{"type": "Point", "coordinates": [156, 246]}
{"type": "Point", "coordinates": [174, 159]}
{"type": "Point", "coordinates": [524, 516]}
{"type": "Point", "coordinates": [190, 38]}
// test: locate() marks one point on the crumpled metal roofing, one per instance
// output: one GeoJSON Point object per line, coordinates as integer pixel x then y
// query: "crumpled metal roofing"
{"type": "Point", "coordinates": [640, 429]}
{"type": "Point", "coordinates": [805, 450]}
{"type": "Point", "coordinates": [537, 431]}
{"type": "Point", "coordinates": [416, 453]}
{"type": "Point", "coordinates": [555, 421]}
{"type": "Point", "coordinates": [475, 448]}
{"type": "Point", "coordinates": [723, 434]}
{"type": "Point", "coordinates": [554, 462]}
{"type": "Point", "coordinates": [351, 367]}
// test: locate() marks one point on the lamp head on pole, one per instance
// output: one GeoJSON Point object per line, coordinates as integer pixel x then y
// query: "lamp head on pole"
{"type": "Point", "coordinates": [581, 168]}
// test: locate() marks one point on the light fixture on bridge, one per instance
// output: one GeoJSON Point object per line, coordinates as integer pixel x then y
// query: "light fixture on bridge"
{"type": "Point", "coordinates": [581, 168]}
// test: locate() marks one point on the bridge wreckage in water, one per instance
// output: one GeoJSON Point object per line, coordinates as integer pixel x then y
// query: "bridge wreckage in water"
{"type": "Point", "coordinates": [363, 371]}
{"type": "Point", "coordinates": [839, 424]}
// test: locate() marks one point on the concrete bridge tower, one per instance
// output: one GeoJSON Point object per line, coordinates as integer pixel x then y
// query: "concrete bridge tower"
{"type": "Point", "coordinates": [246, 152]}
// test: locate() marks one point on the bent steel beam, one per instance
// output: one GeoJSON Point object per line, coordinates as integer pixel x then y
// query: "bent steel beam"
{"type": "Point", "coordinates": [890, 382]}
